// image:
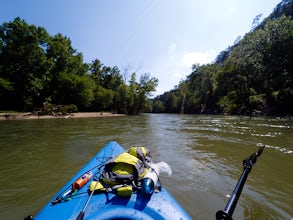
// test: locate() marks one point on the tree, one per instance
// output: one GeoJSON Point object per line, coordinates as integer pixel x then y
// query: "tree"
{"type": "Point", "coordinates": [172, 102]}
{"type": "Point", "coordinates": [121, 99]}
{"type": "Point", "coordinates": [36, 68]}
{"type": "Point", "coordinates": [23, 64]}
{"type": "Point", "coordinates": [107, 77]}
{"type": "Point", "coordinates": [103, 99]}
{"type": "Point", "coordinates": [183, 93]}
{"type": "Point", "coordinates": [75, 89]}
{"type": "Point", "coordinates": [68, 72]}
{"type": "Point", "coordinates": [256, 75]}
{"type": "Point", "coordinates": [158, 106]}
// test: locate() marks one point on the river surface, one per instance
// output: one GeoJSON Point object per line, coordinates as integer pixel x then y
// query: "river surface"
{"type": "Point", "coordinates": [37, 157]}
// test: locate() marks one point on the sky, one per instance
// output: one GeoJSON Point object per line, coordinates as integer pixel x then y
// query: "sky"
{"type": "Point", "coordinates": [160, 37]}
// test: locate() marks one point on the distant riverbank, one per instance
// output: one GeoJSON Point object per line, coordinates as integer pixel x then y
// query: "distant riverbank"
{"type": "Point", "coordinates": [29, 115]}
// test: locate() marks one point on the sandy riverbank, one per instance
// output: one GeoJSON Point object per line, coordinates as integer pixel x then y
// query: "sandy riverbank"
{"type": "Point", "coordinates": [28, 115]}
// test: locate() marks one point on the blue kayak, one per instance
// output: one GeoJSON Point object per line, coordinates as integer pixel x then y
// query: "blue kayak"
{"type": "Point", "coordinates": [105, 205]}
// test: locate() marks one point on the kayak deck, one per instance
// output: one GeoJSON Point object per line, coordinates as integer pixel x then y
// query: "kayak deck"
{"type": "Point", "coordinates": [160, 205]}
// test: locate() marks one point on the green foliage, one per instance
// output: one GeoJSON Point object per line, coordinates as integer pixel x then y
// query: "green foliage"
{"type": "Point", "coordinates": [103, 99]}
{"type": "Point", "coordinates": [121, 98]}
{"type": "Point", "coordinates": [107, 77]}
{"type": "Point", "coordinates": [227, 103]}
{"type": "Point", "coordinates": [148, 106]}
{"type": "Point", "coordinates": [68, 109]}
{"type": "Point", "coordinates": [172, 102]}
{"type": "Point", "coordinates": [133, 99]}
{"type": "Point", "coordinates": [158, 107]}
{"type": "Point", "coordinates": [6, 85]}
{"type": "Point", "coordinates": [23, 64]}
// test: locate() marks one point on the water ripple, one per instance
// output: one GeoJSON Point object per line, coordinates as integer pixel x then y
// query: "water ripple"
{"type": "Point", "coordinates": [205, 153]}
{"type": "Point", "coordinates": [281, 149]}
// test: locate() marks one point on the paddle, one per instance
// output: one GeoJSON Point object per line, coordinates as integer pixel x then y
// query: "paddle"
{"type": "Point", "coordinates": [247, 166]}
{"type": "Point", "coordinates": [81, 214]}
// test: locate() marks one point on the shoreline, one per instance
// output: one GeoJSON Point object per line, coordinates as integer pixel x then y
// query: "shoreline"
{"type": "Point", "coordinates": [31, 116]}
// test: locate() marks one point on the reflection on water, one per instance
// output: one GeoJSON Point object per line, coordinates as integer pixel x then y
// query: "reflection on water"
{"type": "Point", "coordinates": [205, 153]}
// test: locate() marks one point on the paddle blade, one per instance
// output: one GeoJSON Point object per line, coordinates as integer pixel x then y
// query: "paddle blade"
{"type": "Point", "coordinates": [260, 150]}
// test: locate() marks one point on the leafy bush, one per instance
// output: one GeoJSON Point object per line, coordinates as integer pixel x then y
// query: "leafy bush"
{"type": "Point", "coordinates": [68, 109]}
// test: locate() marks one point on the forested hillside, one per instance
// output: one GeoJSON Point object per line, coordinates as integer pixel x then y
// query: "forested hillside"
{"type": "Point", "coordinates": [39, 71]}
{"type": "Point", "coordinates": [254, 76]}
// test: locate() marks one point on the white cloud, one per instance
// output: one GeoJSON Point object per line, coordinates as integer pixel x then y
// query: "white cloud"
{"type": "Point", "coordinates": [198, 58]}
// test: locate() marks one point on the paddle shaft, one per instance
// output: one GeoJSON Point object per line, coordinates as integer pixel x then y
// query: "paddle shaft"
{"type": "Point", "coordinates": [231, 205]}
{"type": "Point", "coordinates": [81, 214]}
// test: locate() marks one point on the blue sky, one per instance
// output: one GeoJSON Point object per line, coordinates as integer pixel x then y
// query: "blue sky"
{"type": "Point", "coordinates": [160, 37]}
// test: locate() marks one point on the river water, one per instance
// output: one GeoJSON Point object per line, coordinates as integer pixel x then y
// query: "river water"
{"type": "Point", "coordinates": [37, 157]}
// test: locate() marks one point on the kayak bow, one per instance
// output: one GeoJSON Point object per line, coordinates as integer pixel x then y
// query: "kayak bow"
{"type": "Point", "coordinates": [84, 204]}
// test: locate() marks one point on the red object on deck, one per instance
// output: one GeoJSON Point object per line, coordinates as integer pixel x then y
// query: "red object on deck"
{"type": "Point", "coordinates": [81, 181]}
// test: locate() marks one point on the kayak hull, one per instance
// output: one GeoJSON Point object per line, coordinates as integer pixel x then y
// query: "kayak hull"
{"type": "Point", "coordinates": [160, 205]}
